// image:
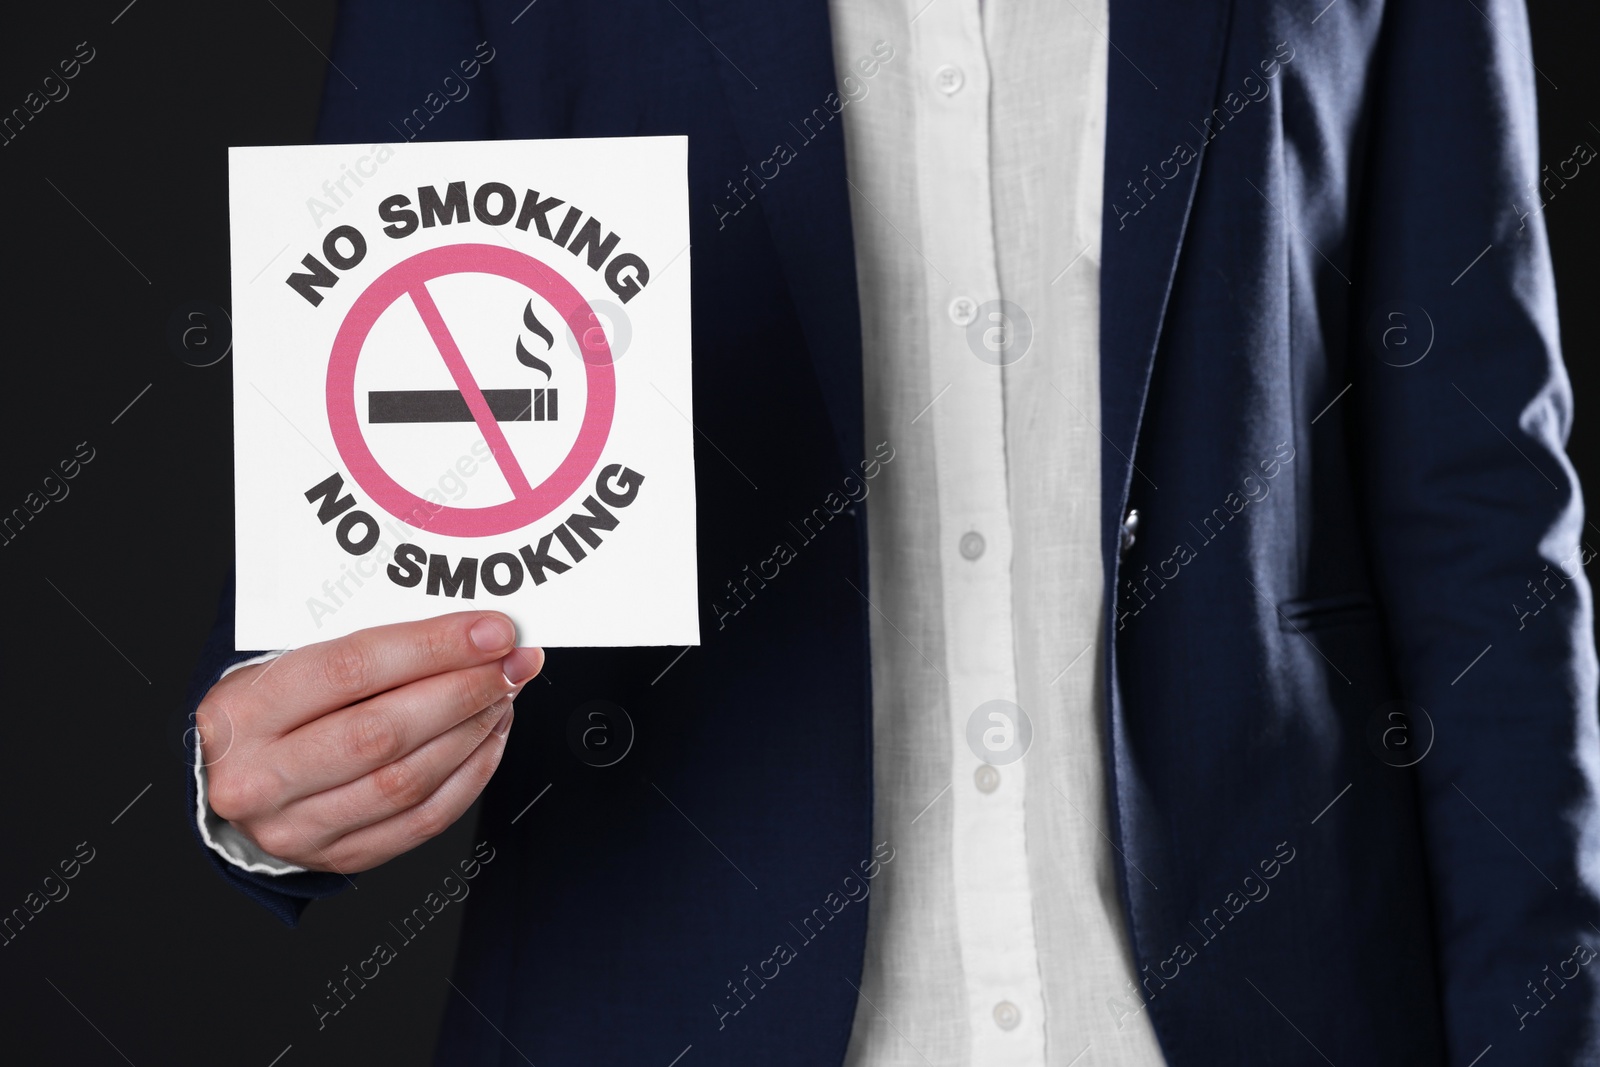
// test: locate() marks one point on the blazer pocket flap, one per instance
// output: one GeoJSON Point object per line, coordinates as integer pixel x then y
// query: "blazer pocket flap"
{"type": "Point", "coordinates": [1315, 613]}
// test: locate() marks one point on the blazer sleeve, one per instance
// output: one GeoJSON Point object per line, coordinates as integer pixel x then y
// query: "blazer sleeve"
{"type": "Point", "coordinates": [397, 72]}
{"type": "Point", "coordinates": [1477, 524]}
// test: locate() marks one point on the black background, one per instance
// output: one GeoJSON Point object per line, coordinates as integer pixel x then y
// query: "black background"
{"type": "Point", "coordinates": [113, 217]}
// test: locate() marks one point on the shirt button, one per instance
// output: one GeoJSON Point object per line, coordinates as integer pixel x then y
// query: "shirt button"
{"type": "Point", "coordinates": [949, 80]}
{"type": "Point", "coordinates": [971, 544]}
{"type": "Point", "coordinates": [986, 778]}
{"type": "Point", "coordinates": [963, 309]}
{"type": "Point", "coordinates": [1007, 1015]}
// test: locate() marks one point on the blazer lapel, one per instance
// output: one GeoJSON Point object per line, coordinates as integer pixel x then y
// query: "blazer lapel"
{"type": "Point", "coordinates": [776, 64]}
{"type": "Point", "coordinates": [1162, 80]}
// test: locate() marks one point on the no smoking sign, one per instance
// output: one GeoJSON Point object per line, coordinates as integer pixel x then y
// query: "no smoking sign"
{"type": "Point", "coordinates": [409, 281]}
{"type": "Point", "coordinates": [429, 410]}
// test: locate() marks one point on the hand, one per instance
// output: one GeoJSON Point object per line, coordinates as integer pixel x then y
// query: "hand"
{"type": "Point", "coordinates": [340, 756]}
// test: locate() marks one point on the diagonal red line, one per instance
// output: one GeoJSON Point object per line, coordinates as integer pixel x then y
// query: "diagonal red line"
{"type": "Point", "coordinates": [492, 434]}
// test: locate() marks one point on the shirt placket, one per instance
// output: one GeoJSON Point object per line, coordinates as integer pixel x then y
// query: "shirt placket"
{"type": "Point", "coordinates": [993, 897]}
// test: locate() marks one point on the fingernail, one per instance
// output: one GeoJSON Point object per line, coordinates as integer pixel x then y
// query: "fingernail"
{"type": "Point", "coordinates": [491, 635]}
{"type": "Point", "coordinates": [503, 727]}
{"type": "Point", "coordinates": [522, 664]}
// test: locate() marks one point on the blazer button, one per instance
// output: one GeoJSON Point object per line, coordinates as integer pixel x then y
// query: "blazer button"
{"type": "Point", "coordinates": [1130, 530]}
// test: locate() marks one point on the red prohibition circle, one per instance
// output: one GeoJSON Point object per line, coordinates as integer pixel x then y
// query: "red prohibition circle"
{"type": "Point", "coordinates": [409, 278]}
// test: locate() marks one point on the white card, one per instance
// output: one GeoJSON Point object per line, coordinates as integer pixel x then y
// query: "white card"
{"type": "Point", "coordinates": [462, 380]}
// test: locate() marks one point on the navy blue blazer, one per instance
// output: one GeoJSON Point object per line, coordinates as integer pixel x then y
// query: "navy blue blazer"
{"type": "Point", "coordinates": [1331, 388]}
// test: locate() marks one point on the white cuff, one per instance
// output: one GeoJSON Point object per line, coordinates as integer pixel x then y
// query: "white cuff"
{"type": "Point", "coordinates": [221, 836]}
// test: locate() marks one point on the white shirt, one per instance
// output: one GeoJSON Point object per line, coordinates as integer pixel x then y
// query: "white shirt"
{"type": "Point", "coordinates": [975, 157]}
{"type": "Point", "coordinates": [975, 154]}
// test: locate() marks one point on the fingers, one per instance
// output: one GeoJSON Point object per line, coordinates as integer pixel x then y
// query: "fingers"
{"type": "Point", "coordinates": [390, 731]}
{"type": "Point", "coordinates": [375, 844]}
{"type": "Point", "coordinates": [395, 787]}
{"type": "Point", "coordinates": [379, 733]}
{"type": "Point", "coordinates": [334, 674]}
